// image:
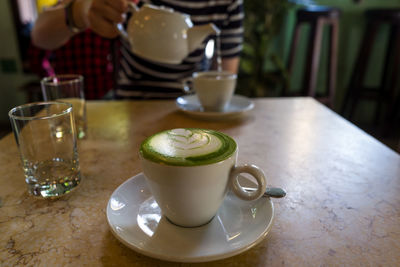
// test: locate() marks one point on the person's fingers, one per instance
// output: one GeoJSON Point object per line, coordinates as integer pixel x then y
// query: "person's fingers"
{"type": "Point", "coordinates": [104, 14]}
{"type": "Point", "coordinates": [119, 5]}
{"type": "Point", "coordinates": [101, 9]}
{"type": "Point", "coordinates": [102, 26]}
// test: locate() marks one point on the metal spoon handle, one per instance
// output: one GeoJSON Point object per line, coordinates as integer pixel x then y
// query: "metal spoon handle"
{"type": "Point", "coordinates": [274, 192]}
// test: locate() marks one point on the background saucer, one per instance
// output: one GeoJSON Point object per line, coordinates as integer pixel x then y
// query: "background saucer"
{"type": "Point", "coordinates": [135, 219]}
{"type": "Point", "coordinates": [237, 107]}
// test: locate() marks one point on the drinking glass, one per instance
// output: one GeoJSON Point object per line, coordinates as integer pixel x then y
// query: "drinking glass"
{"type": "Point", "coordinates": [68, 88]}
{"type": "Point", "coordinates": [46, 138]}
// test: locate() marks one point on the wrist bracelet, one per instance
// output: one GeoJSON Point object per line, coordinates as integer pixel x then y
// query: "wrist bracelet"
{"type": "Point", "coordinates": [69, 18]}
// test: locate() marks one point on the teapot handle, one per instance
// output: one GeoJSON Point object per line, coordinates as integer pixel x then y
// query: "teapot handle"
{"type": "Point", "coordinates": [133, 7]}
{"type": "Point", "coordinates": [120, 27]}
{"type": "Point", "coordinates": [187, 85]}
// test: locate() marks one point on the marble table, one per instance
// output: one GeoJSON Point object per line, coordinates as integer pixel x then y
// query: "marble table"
{"type": "Point", "coordinates": [342, 205]}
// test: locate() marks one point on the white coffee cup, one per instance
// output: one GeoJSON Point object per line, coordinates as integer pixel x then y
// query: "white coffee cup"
{"type": "Point", "coordinates": [190, 196]}
{"type": "Point", "coordinates": [214, 89]}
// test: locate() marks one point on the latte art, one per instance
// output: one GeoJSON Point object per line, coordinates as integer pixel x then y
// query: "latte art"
{"type": "Point", "coordinates": [187, 140]}
{"type": "Point", "coordinates": [188, 147]}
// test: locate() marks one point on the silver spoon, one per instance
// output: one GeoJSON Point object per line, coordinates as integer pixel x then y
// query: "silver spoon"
{"type": "Point", "coordinates": [275, 192]}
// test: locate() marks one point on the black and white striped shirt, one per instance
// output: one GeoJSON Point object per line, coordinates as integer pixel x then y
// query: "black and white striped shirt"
{"type": "Point", "coordinates": [139, 78]}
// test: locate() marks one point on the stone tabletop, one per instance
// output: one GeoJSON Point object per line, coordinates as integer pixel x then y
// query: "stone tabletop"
{"type": "Point", "coordinates": [342, 205]}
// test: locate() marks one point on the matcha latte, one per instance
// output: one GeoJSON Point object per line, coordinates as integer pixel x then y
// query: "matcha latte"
{"type": "Point", "coordinates": [188, 147]}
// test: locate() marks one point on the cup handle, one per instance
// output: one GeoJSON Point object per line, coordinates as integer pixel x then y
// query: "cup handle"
{"type": "Point", "coordinates": [187, 85]}
{"type": "Point", "coordinates": [254, 171]}
{"type": "Point", "coordinates": [132, 7]}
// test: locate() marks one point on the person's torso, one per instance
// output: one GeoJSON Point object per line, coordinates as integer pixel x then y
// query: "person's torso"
{"type": "Point", "coordinates": [140, 78]}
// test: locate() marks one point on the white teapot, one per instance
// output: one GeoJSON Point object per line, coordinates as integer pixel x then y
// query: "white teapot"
{"type": "Point", "coordinates": [163, 35]}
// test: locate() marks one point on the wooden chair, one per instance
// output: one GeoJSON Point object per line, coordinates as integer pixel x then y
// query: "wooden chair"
{"type": "Point", "coordinates": [385, 92]}
{"type": "Point", "coordinates": [317, 18]}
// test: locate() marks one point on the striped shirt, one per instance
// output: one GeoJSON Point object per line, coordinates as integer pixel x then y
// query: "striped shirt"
{"type": "Point", "coordinates": [140, 78]}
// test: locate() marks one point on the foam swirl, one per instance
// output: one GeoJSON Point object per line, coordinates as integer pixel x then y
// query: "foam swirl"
{"type": "Point", "coordinates": [188, 146]}
{"type": "Point", "coordinates": [188, 140]}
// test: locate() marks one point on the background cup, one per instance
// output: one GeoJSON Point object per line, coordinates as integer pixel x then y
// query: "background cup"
{"type": "Point", "coordinates": [214, 89]}
{"type": "Point", "coordinates": [46, 138]}
{"type": "Point", "coordinates": [190, 196]}
{"type": "Point", "coordinates": [68, 88]}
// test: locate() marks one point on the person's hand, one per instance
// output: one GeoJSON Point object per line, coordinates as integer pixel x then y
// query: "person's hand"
{"type": "Point", "coordinates": [104, 14]}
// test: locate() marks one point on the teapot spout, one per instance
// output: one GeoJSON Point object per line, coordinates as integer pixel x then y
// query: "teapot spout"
{"type": "Point", "coordinates": [197, 34]}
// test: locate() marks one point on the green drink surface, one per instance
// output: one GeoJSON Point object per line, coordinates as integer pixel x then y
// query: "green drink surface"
{"type": "Point", "coordinates": [188, 147]}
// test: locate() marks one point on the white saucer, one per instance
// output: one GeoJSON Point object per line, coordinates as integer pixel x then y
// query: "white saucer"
{"type": "Point", "coordinates": [135, 219]}
{"type": "Point", "coordinates": [237, 107]}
